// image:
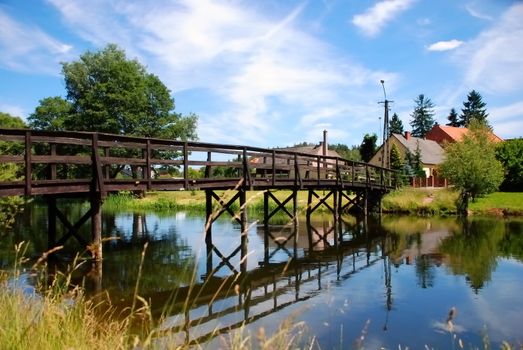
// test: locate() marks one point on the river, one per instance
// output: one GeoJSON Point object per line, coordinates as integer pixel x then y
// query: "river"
{"type": "Point", "coordinates": [373, 283]}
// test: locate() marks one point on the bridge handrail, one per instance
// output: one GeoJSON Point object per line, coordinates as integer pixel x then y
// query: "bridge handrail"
{"type": "Point", "coordinates": [251, 162]}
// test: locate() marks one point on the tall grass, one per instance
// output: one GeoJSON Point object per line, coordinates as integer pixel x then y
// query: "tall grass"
{"type": "Point", "coordinates": [424, 201]}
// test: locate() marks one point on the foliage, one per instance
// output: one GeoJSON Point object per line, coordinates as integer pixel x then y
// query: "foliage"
{"type": "Point", "coordinates": [453, 118]}
{"type": "Point", "coordinates": [11, 122]}
{"type": "Point", "coordinates": [413, 164]}
{"type": "Point", "coordinates": [471, 164]}
{"type": "Point", "coordinates": [510, 154]}
{"type": "Point", "coordinates": [474, 109]}
{"type": "Point", "coordinates": [352, 153]}
{"type": "Point", "coordinates": [9, 206]}
{"type": "Point", "coordinates": [368, 147]}
{"type": "Point", "coordinates": [106, 92]}
{"type": "Point", "coordinates": [422, 116]}
{"type": "Point", "coordinates": [395, 125]}
{"type": "Point", "coordinates": [395, 158]}
{"type": "Point", "coordinates": [51, 114]}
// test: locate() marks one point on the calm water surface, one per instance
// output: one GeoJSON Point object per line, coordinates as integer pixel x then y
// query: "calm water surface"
{"type": "Point", "coordinates": [392, 280]}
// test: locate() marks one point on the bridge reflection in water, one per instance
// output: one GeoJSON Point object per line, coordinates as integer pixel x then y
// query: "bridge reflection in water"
{"type": "Point", "coordinates": [298, 261]}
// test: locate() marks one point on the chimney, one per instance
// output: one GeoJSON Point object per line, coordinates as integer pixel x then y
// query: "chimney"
{"type": "Point", "coordinates": [325, 147]}
{"type": "Point", "coordinates": [407, 135]}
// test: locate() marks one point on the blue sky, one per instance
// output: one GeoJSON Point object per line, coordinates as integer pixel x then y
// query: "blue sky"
{"type": "Point", "coordinates": [274, 73]}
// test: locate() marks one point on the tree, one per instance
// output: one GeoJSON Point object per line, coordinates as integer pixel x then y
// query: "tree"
{"type": "Point", "coordinates": [11, 122]}
{"type": "Point", "coordinates": [453, 118]}
{"type": "Point", "coordinates": [395, 158]}
{"type": "Point", "coordinates": [422, 116]}
{"type": "Point", "coordinates": [510, 154]}
{"type": "Point", "coordinates": [474, 110]}
{"type": "Point", "coordinates": [9, 206]}
{"type": "Point", "coordinates": [368, 147]}
{"type": "Point", "coordinates": [471, 164]}
{"type": "Point", "coordinates": [51, 114]}
{"type": "Point", "coordinates": [352, 153]}
{"type": "Point", "coordinates": [107, 92]}
{"type": "Point", "coordinates": [395, 125]}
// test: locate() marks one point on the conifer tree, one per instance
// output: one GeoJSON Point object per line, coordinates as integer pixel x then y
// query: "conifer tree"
{"type": "Point", "coordinates": [453, 118]}
{"type": "Point", "coordinates": [474, 110]}
{"type": "Point", "coordinates": [422, 116]}
{"type": "Point", "coordinates": [395, 125]}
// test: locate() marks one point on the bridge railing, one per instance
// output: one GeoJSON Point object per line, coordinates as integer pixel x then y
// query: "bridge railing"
{"type": "Point", "coordinates": [60, 162]}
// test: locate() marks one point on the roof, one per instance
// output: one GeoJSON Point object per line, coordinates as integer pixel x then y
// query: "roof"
{"type": "Point", "coordinates": [431, 151]}
{"type": "Point", "coordinates": [456, 133]}
{"type": "Point", "coordinates": [316, 150]}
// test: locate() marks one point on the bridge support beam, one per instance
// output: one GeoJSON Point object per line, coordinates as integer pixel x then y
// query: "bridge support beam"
{"type": "Point", "coordinates": [72, 230]}
{"type": "Point", "coordinates": [240, 217]}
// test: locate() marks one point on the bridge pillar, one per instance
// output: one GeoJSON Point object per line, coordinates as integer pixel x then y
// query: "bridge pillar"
{"type": "Point", "coordinates": [212, 215]}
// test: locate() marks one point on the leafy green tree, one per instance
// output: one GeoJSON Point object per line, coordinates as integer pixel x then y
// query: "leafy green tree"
{"type": "Point", "coordinates": [453, 118]}
{"type": "Point", "coordinates": [51, 114]}
{"type": "Point", "coordinates": [474, 109]}
{"type": "Point", "coordinates": [395, 125]}
{"type": "Point", "coordinates": [368, 147]}
{"type": "Point", "coordinates": [107, 92]}
{"type": "Point", "coordinates": [471, 164]}
{"type": "Point", "coordinates": [11, 122]}
{"type": "Point", "coordinates": [422, 116]}
{"type": "Point", "coordinates": [346, 152]}
{"type": "Point", "coordinates": [395, 158]}
{"type": "Point", "coordinates": [9, 206]}
{"type": "Point", "coordinates": [510, 154]}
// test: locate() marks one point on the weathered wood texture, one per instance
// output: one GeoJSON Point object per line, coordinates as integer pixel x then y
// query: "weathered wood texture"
{"type": "Point", "coordinates": [82, 162]}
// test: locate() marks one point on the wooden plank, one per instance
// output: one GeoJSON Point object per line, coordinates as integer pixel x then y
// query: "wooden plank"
{"type": "Point", "coordinates": [12, 159]}
{"type": "Point", "coordinates": [49, 159]}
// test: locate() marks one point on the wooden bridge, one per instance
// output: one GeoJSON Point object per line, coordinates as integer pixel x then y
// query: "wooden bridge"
{"type": "Point", "coordinates": [91, 165]}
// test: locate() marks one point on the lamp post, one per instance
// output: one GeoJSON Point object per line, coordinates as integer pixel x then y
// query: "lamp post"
{"type": "Point", "coordinates": [385, 154]}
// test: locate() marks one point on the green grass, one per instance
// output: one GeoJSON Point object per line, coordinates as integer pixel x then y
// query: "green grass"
{"type": "Point", "coordinates": [498, 203]}
{"type": "Point", "coordinates": [194, 201]}
{"type": "Point", "coordinates": [427, 201]}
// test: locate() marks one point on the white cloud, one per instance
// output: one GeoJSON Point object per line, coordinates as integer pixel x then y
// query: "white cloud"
{"type": "Point", "coordinates": [253, 62]}
{"type": "Point", "coordinates": [28, 49]}
{"type": "Point", "coordinates": [374, 19]}
{"type": "Point", "coordinates": [493, 61]}
{"type": "Point", "coordinates": [512, 111]}
{"type": "Point", "coordinates": [445, 45]}
{"type": "Point", "coordinates": [13, 110]}
{"type": "Point", "coordinates": [475, 13]}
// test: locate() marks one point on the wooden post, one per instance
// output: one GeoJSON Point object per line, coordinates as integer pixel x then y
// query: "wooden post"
{"type": "Point", "coordinates": [28, 164]}
{"type": "Point", "coordinates": [244, 226]}
{"type": "Point", "coordinates": [208, 229]}
{"type": "Point", "coordinates": [96, 226]}
{"type": "Point", "coordinates": [51, 222]}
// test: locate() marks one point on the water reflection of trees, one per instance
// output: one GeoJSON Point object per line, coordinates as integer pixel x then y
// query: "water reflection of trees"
{"type": "Point", "coordinates": [474, 250]}
{"type": "Point", "coordinates": [169, 261]}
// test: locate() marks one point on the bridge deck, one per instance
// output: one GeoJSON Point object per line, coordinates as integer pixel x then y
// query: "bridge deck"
{"type": "Point", "coordinates": [62, 163]}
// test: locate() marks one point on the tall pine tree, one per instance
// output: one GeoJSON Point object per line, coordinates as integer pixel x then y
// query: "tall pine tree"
{"type": "Point", "coordinates": [453, 118]}
{"type": "Point", "coordinates": [395, 125]}
{"type": "Point", "coordinates": [474, 109]}
{"type": "Point", "coordinates": [422, 116]}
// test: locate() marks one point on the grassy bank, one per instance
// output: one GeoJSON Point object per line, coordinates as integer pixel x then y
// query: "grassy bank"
{"type": "Point", "coordinates": [436, 201]}
{"type": "Point", "coordinates": [194, 201]}
{"type": "Point", "coordinates": [419, 201]}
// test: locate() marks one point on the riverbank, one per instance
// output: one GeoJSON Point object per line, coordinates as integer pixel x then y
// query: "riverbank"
{"type": "Point", "coordinates": [441, 201]}
{"type": "Point", "coordinates": [419, 201]}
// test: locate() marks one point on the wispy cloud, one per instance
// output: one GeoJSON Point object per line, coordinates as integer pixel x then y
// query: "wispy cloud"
{"type": "Point", "coordinates": [16, 111]}
{"type": "Point", "coordinates": [445, 45]}
{"type": "Point", "coordinates": [28, 49]}
{"type": "Point", "coordinates": [493, 61]}
{"type": "Point", "coordinates": [471, 9]}
{"type": "Point", "coordinates": [253, 62]}
{"type": "Point", "coordinates": [375, 18]}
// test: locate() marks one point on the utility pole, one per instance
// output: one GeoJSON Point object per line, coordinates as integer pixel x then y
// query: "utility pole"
{"type": "Point", "coordinates": [385, 153]}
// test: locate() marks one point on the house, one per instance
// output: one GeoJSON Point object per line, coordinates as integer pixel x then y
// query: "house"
{"type": "Point", "coordinates": [443, 133]}
{"type": "Point", "coordinates": [431, 155]}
